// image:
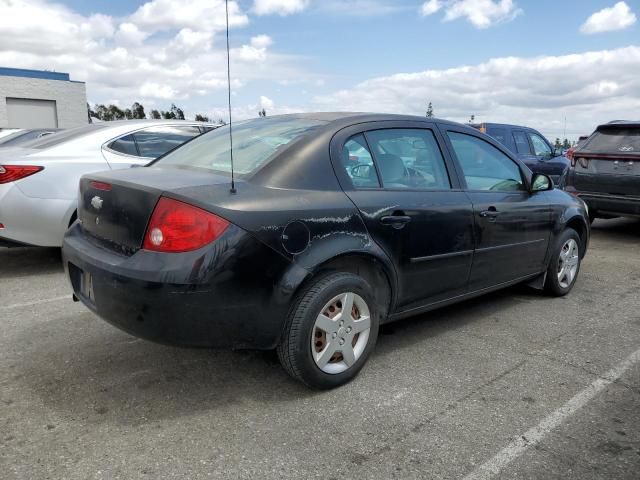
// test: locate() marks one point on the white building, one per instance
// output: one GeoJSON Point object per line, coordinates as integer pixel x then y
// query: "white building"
{"type": "Point", "coordinates": [39, 99]}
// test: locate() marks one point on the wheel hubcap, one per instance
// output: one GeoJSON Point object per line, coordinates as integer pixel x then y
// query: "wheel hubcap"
{"type": "Point", "coordinates": [341, 333]}
{"type": "Point", "coordinates": [568, 262]}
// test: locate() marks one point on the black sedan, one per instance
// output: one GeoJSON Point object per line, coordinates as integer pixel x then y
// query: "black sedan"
{"type": "Point", "coordinates": [338, 223]}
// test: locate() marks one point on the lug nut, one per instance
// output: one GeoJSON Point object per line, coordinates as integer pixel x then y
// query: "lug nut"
{"type": "Point", "coordinates": [342, 341]}
{"type": "Point", "coordinates": [334, 335]}
{"type": "Point", "coordinates": [349, 330]}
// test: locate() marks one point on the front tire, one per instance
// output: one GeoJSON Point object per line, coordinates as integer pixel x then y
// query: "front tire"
{"type": "Point", "coordinates": [331, 330]}
{"type": "Point", "coordinates": [564, 265]}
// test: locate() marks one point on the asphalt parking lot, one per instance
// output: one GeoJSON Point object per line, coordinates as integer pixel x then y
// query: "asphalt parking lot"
{"type": "Point", "coordinates": [511, 385]}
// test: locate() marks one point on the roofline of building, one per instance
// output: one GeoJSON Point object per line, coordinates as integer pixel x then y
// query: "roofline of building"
{"type": "Point", "coordinates": [39, 74]}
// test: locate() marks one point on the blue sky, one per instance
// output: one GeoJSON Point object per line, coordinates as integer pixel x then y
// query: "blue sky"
{"type": "Point", "coordinates": [291, 55]}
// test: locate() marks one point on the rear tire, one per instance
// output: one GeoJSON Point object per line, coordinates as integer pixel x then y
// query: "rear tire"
{"type": "Point", "coordinates": [323, 346]}
{"type": "Point", "coordinates": [564, 265]}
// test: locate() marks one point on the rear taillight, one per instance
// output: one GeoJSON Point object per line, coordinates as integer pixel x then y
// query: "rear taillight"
{"type": "Point", "coordinates": [584, 163]}
{"type": "Point", "coordinates": [11, 173]}
{"type": "Point", "coordinates": [101, 186]}
{"type": "Point", "coordinates": [179, 227]}
{"type": "Point", "coordinates": [570, 156]}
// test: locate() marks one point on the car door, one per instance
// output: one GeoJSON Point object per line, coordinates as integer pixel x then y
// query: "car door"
{"type": "Point", "coordinates": [512, 226]}
{"type": "Point", "coordinates": [142, 146]}
{"type": "Point", "coordinates": [409, 198]}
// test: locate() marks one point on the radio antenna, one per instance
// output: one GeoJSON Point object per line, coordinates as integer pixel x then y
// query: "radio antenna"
{"type": "Point", "coordinates": [233, 184]}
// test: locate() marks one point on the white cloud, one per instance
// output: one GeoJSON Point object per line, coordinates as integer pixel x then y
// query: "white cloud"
{"type": "Point", "coordinates": [279, 7]}
{"type": "Point", "coordinates": [128, 34]}
{"type": "Point", "coordinates": [266, 103]}
{"type": "Point", "coordinates": [160, 15]}
{"type": "Point", "coordinates": [617, 17]}
{"type": "Point", "coordinates": [156, 54]}
{"type": "Point", "coordinates": [431, 7]}
{"type": "Point", "coordinates": [534, 91]}
{"type": "Point", "coordinates": [481, 13]}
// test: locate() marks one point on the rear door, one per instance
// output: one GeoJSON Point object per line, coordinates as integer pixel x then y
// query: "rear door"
{"type": "Point", "coordinates": [409, 197]}
{"type": "Point", "coordinates": [551, 165]}
{"type": "Point", "coordinates": [512, 226]}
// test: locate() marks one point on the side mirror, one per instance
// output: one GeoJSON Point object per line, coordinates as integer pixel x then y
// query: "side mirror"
{"type": "Point", "coordinates": [541, 183]}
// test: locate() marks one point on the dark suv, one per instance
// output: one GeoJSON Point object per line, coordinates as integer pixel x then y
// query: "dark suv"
{"type": "Point", "coordinates": [606, 171]}
{"type": "Point", "coordinates": [531, 147]}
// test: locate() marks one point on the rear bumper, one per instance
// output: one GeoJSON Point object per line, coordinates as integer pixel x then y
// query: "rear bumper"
{"type": "Point", "coordinates": [621, 205]}
{"type": "Point", "coordinates": [226, 295]}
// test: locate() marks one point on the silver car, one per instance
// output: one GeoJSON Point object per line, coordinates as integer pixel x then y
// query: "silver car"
{"type": "Point", "coordinates": [39, 181]}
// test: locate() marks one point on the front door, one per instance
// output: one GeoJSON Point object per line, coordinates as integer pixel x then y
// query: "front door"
{"type": "Point", "coordinates": [511, 225]}
{"type": "Point", "coordinates": [399, 180]}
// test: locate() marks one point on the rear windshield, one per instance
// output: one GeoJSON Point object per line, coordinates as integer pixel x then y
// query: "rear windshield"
{"type": "Point", "coordinates": [613, 141]}
{"type": "Point", "coordinates": [54, 139]}
{"type": "Point", "coordinates": [254, 144]}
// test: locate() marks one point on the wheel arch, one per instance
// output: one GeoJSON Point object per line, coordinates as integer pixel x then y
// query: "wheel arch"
{"type": "Point", "coordinates": [581, 227]}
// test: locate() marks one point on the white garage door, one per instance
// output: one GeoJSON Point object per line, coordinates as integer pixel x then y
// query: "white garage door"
{"type": "Point", "coordinates": [29, 113]}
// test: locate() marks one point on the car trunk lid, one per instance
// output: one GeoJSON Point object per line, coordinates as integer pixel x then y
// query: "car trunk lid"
{"type": "Point", "coordinates": [606, 173]}
{"type": "Point", "coordinates": [115, 207]}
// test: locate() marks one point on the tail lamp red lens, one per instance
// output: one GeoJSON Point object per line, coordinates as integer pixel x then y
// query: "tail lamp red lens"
{"type": "Point", "coordinates": [12, 173]}
{"type": "Point", "coordinates": [179, 227]}
{"type": "Point", "coordinates": [106, 187]}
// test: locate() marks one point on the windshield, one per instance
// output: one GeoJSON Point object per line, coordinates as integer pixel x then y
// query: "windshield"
{"type": "Point", "coordinates": [614, 140]}
{"type": "Point", "coordinates": [57, 138]}
{"type": "Point", "coordinates": [254, 144]}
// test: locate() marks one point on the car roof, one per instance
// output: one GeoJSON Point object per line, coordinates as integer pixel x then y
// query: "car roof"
{"type": "Point", "coordinates": [501, 125]}
{"type": "Point", "coordinates": [349, 118]}
{"type": "Point", "coordinates": [621, 123]}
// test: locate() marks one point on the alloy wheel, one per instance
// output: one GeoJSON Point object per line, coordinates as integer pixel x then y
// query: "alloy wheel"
{"type": "Point", "coordinates": [340, 333]}
{"type": "Point", "coordinates": [568, 262]}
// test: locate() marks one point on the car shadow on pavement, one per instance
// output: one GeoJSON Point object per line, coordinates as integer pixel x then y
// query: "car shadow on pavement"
{"type": "Point", "coordinates": [23, 261]}
{"type": "Point", "coordinates": [625, 229]}
{"type": "Point", "coordinates": [104, 375]}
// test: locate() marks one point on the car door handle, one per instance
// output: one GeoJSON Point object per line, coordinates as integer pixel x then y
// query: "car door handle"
{"type": "Point", "coordinates": [396, 221]}
{"type": "Point", "coordinates": [491, 213]}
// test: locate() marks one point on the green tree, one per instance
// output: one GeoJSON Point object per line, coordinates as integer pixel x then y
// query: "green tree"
{"type": "Point", "coordinates": [557, 144]}
{"type": "Point", "coordinates": [201, 118]}
{"type": "Point", "coordinates": [168, 115]}
{"type": "Point", "coordinates": [177, 112]}
{"type": "Point", "coordinates": [472, 119]}
{"type": "Point", "coordinates": [221, 122]}
{"type": "Point", "coordinates": [262, 113]}
{"type": "Point", "coordinates": [128, 114]}
{"type": "Point", "coordinates": [115, 113]}
{"type": "Point", "coordinates": [566, 143]}
{"type": "Point", "coordinates": [430, 110]}
{"type": "Point", "coordinates": [155, 114]}
{"type": "Point", "coordinates": [138, 111]}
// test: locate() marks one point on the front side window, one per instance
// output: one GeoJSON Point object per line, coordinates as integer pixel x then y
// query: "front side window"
{"type": "Point", "coordinates": [522, 144]}
{"type": "Point", "coordinates": [155, 141]}
{"type": "Point", "coordinates": [541, 147]}
{"type": "Point", "coordinates": [484, 166]}
{"type": "Point", "coordinates": [408, 158]}
{"type": "Point", "coordinates": [357, 162]}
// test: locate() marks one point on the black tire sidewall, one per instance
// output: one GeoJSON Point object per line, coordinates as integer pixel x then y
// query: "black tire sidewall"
{"type": "Point", "coordinates": [310, 372]}
{"type": "Point", "coordinates": [553, 284]}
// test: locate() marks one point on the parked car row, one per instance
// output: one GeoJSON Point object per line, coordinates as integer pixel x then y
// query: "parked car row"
{"type": "Point", "coordinates": [39, 178]}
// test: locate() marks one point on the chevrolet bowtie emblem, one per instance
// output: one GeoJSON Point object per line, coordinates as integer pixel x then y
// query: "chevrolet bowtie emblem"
{"type": "Point", "coordinates": [96, 202]}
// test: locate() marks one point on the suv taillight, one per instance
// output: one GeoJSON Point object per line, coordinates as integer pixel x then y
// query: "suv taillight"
{"type": "Point", "coordinates": [179, 227]}
{"type": "Point", "coordinates": [11, 173]}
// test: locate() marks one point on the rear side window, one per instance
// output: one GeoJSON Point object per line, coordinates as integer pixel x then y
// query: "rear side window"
{"type": "Point", "coordinates": [126, 145]}
{"type": "Point", "coordinates": [522, 144]}
{"type": "Point", "coordinates": [408, 158]}
{"type": "Point", "coordinates": [484, 166]}
{"type": "Point", "coordinates": [500, 134]}
{"type": "Point", "coordinates": [539, 145]}
{"type": "Point", "coordinates": [614, 141]}
{"type": "Point", "coordinates": [156, 141]}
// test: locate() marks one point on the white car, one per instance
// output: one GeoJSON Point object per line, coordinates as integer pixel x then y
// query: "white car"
{"type": "Point", "coordinates": [39, 181]}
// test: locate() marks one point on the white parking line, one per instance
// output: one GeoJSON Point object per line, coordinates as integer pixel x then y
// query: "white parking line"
{"type": "Point", "coordinates": [35, 302]}
{"type": "Point", "coordinates": [533, 436]}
